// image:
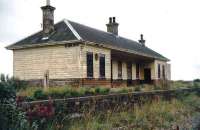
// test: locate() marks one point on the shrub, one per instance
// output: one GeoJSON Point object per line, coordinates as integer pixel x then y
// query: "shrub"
{"type": "Point", "coordinates": [123, 90]}
{"type": "Point", "coordinates": [41, 114]}
{"type": "Point", "coordinates": [39, 94]}
{"type": "Point", "coordinates": [11, 117]}
{"type": "Point", "coordinates": [76, 93]}
{"type": "Point", "coordinates": [137, 88]}
{"type": "Point", "coordinates": [101, 90]}
{"type": "Point", "coordinates": [27, 92]}
{"type": "Point", "coordinates": [57, 92]}
{"type": "Point", "coordinates": [14, 82]}
{"type": "Point", "coordinates": [196, 84]}
{"type": "Point", "coordinates": [197, 80]}
{"type": "Point", "coordinates": [90, 91]}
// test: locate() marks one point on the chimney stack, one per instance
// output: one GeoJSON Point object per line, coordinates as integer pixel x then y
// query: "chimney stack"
{"type": "Point", "coordinates": [112, 26]}
{"type": "Point", "coordinates": [48, 19]}
{"type": "Point", "coordinates": [142, 41]}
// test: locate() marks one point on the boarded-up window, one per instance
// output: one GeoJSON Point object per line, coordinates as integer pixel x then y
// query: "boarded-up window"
{"type": "Point", "coordinates": [158, 70]}
{"type": "Point", "coordinates": [163, 71]}
{"type": "Point", "coordinates": [102, 66]}
{"type": "Point", "coordinates": [120, 70]}
{"type": "Point", "coordinates": [89, 64]}
{"type": "Point", "coordinates": [137, 71]}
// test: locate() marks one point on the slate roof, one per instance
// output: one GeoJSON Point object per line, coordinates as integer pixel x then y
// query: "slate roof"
{"type": "Point", "coordinates": [67, 30]}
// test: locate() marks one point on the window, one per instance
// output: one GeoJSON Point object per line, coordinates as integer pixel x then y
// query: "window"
{"type": "Point", "coordinates": [158, 70]}
{"type": "Point", "coordinates": [120, 70]}
{"type": "Point", "coordinates": [137, 71]}
{"type": "Point", "coordinates": [163, 71]}
{"type": "Point", "coordinates": [89, 64]}
{"type": "Point", "coordinates": [102, 66]}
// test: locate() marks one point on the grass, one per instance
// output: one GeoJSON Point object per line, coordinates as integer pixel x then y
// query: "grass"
{"type": "Point", "coordinates": [150, 116]}
{"type": "Point", "coordinates": [159, 114]}
{"type": "Point", "coordinates": [67, 91]}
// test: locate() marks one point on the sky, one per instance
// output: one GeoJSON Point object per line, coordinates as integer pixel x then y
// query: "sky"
{"type": "Point", "coordinates": [170, 27]}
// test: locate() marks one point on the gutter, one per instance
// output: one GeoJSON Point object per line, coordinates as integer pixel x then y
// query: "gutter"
{"type": "Point", "coordinates": [124, 50]}
{"type": "Point", "coordinates": [15, 47]}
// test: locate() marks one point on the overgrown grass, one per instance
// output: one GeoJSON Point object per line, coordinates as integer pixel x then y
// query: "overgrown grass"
{"type": "Point", "coordinates": [150, 116]}
{"type": "Point", "coordinates": [34, 93]}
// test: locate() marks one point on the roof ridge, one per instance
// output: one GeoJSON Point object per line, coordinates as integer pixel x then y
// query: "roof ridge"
{"type": "Point", "coordinates": [117, 36]}
{"type": "Point", "coordinates": [72, 29]}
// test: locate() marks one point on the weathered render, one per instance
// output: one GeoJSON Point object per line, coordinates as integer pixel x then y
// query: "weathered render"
{"type": "Point", "coordinates": [75, 54]}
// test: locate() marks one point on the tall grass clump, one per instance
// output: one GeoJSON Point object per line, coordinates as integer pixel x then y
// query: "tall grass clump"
{"type": "Point", "coordinates": [149, 116]}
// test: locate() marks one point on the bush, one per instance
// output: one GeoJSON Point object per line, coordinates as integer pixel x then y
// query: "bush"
{"type": "Point", "coordinates": [14, 82]}
{"type": "Point", "coordinates": [123, 90]}
{"type": "Point", "coordinates": [197, 80]}
{"type": "Point", "coordinates": [102, 91]}
{"type": "Point", "coordinates": [76, 93]}
{"type": "Point", "coordinates": [137, 88]}
{"type": "Point", "coordinates": [11, 117]}
{"type": "Point", "coordinates": [39, 94]}
{"type": "Point", "coordinates": [7, 93]}
{"type": "Point", "coordinates": [58, 92]}
{"type": "Point", "coordinates": [90, 91]}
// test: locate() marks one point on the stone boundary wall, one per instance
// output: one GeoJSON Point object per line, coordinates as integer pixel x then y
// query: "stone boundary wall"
{"type": "Point", "coordinates": [110, 101]}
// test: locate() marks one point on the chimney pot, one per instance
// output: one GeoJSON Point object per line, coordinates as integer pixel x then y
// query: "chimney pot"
{"type": "Point", "coordinates": [110, 20]}
{"type": "Point", "coordinates": [142, 41]}
{"type": "Point", "coordinates": [112, 26]}
{"type": "Point", "coordinates": [114, 19]}
{"type": "Point", "coordinates": [141, 37]}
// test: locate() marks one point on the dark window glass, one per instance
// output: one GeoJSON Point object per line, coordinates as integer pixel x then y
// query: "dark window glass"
{"type": "Point", "coordinates": [120, 70]}
{"type": "Point", "coordinates": [102, 66]}
{"type": "Point", "coordinates": [89, 64]}
{"type": "Point", "coordinates": [163, 71]}
{"type": "Point", "coordinates": [137, 71]}
{"type": "Point", "coordinates": [158, 70]}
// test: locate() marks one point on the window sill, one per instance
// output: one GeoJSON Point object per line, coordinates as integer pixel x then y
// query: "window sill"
{"type": "Point", "coordinates": [90, 78]}
{"type": "Point", "coordinates": [102, 78]}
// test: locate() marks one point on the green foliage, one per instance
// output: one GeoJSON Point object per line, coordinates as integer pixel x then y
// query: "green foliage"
{"type": "Point", "coordinates": [196, 84]}
{"type": "Point", "coordinates": [14, 82]}
{"type": "Point", "coordinates": [11, 117]}
{"type": "Point", "coordinates": [149, 116]}
{"type": "Point", "coordinates": [89, 91]}
{"type": "Point", "coordinates": [75, 93]}
{"type": "Point", "coordinates": [123, 90]}
{"type": "Point", "coordinates": [58, 92]}
{"type": "Point", "coordinates": [138, 88]}
{"type": "Point", "coordinates": [180, 84]}
{"type": "Point", "coordinates": [7, 93]}
{"type": "Point", "coordinates": [102, 91]}
{"type": "Point", "coordinates": [39, 94]}
{"type": "Point", "coordinates": [196, 80]}
{"type": "Point", "coordinates": [27, 92]}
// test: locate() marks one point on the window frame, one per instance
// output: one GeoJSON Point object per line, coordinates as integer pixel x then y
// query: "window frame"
{"type": "Point", "coordinates": [90, 66]}
{"type": "Point", "coordinates": [119, 65]}
{"type": "Point", "coordinates": [159, 71]}
{"type": "Point", "coordinates": [102, 69]}
{"type": "Point", "coordinates": [163, 71]}
{"type": "Point", "coordinates": [137, 71]}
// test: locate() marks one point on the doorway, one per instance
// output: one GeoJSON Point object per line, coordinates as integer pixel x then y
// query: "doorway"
{"type": "Point", "coordinates": [129, 73]}
{"type": "Point", "coordinates": [147, 75]}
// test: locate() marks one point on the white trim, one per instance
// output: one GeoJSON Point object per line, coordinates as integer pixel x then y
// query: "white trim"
{"type": "Point", "coordinates": [72, 29]}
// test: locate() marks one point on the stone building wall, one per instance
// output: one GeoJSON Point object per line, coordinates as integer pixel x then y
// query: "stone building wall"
{"type": "Point", "coordinates": [60, 62]}
{"type": "Point", "coordinates": [95, 50]}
